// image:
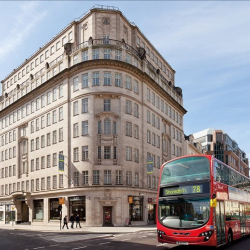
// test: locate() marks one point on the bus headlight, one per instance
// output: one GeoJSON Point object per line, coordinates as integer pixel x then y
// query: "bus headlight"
{"type": "Point", "coordinates": [160, 233]}
{"type": "Point", "coordinates": [206, 234]}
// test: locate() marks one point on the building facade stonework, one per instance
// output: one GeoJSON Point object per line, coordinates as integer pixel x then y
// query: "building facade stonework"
{"type": "Point", "coordinates": [102, 99]}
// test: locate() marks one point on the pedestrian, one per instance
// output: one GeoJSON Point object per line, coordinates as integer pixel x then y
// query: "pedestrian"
{"type": "Point", "coordinates": [65, 222]}
{"type": "Point", "coordinates": [78, 221]}
{"type": "Point", "coordinates": [72, 220]}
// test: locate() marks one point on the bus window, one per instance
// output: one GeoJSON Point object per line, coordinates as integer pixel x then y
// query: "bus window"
{"type": "Point", "coordinates": [221, 173]}
{"type": "Point", "coordinates": [233, 180]}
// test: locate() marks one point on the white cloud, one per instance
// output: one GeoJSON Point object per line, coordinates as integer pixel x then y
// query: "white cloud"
{"type": "Point", "coordinates": [27, 17]}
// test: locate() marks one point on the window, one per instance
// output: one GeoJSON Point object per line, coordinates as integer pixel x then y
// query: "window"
{"type": "Point", "coordinates": [136, 133]}
{"type": "Point", "coordinates": [48, 183]}
{"type": "Point", "coordinates": [107, 177]}
{"type": "Point", "coordinates": [128, 58]}
{"type": "Point", "coordinates": [96, 79]}
{"type": "Point", "coordinates": [52, 50]}
{"type": "Point", "coordinates": [43, 162]}
{"type": "Point", "coordinates": [96, 177]}
{"type": "Point", "coordinates": [148, 117]}
{"type": "Point", "coordinates": [32, 127]}
{"type": "Point", "coordinates": [75, 84]}
{"type": "Point", "coordinates": [128, 129]}
{"type": "Point", "coordinates": [70, 36]}
{"type": "Point", "coordinates": [136, 89]}
{"type": "Point", "coordinates": [75, 130]}
{"type": "Point", "coordinates": [60, 113]}
{"type": "Point", "coordinates": [48, 119]}
{"type": "Point", "coordinates": [54, 137]}
{"type": "Point", "coordinates": [136, 155]}
{"type": "Point", "coordinates": [107, 53]}
{"type": "Point", "coordinates": [99, 127]}
{"type": "Point", "coordinates": [114, 153]}
{"type": "Point", "coordinates": [54, 118]}
{"type": "Point", "coordinates": [95, 54]}
{"type": "Point", "coordinates": [32, 165]}
{"type": "Point", "coordinates": [85, 55]}
{"type": "Point", "coordinates": [106, 104]}
{"type": "Point", "coordinates": [76, 154]}
{"type": "Point", "coordinates": [54, 94]}
{"type": "Point", "coordinates": [48, 97]}
{"type": "Point", "coordinates": [85, 128]}
{"type": "Point", "coordinates": [37, 164]}
{"type": "Point", "coordinates": [85, 80]}
{"type": "Point", "coordinates": [107, 126]}
{"type": "Point", "coordinates": [60, 90]}
{"type": "Point", "coordinates": [118, 80]}
{"type": "Point", "coordinates": [60, 134]}
{"type": "Point", "coordinates": [136, 110]}
{"type": "Point", "coordinates": [128, 154]}
{"type": "Point", "coordinates": [148, 136]}
{"type": "Point", "coordinates": [118, 177]}
{"type": "Point", "coordinates": [128, 107]}
{"type": "Point", "coordinates": [129, 178]}
{"type": "Point", "coordinates": [37, 143]}
{"type": "Point", "coordinates": [118, 55]}
{"type": "Point", "coordinates": [99, 153]}
{"type": "Point", "coordinates": [153, 98]}
{"type": "Point", "coordinates": [128, 83]}
{"type": "Point", "coordinates": [148, 94]}
{"type": "Point", "coordinates": [136, 179]}
{"type": "Point", "coordinates": [54, 159]}
{"type": "Point", "coordinates": [85, 153]}
{"type": "Point", "coordinates": [75, 108]}
{"type": "Point", "coordinates": [107, 152]}
{"type": "Point", "coordinates": [85, 105]}
{"type": "Point", "coordinates": [54, 181]}
{"type": "Point", "coordinates": [149, 181]}
{"type": "Point", "coordinates": [37, 124]}
{"type": "Point", "coordinates": [85, 175]}
{"type": "Point", "coordinates": [32, 145]}
{"type": "Point", "coordinates": [64, 40]}
{"type": "Point", "coordinates": [58, 45]}
{"type": "Point", "coordinates": [48, 139]}
{"type": "Point", "coordinates": [114, 128]}
{"type": "Point", "coordinates": [107, 79]}
{"type": "Point", "coordinates": [48, 161]}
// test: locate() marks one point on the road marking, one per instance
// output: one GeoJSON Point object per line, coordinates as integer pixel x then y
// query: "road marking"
{"type": "Point", "coordinates": [125, 239]}
{"type": "Point", "coordinates": [79, 247]}
{"type": "Point", "coordinates": [38, 247]}
{"type": "Point", "coordinates": [104, 243]}
{"type": "Point", "coordinates": [162, 245]}
{"type": "Point", "coordinates": [54, 245]}
{"type": "Point", "coordinates": [142, 237]}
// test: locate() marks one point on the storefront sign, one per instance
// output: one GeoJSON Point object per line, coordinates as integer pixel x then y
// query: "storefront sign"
{"type": "Point", "coordinates": [20, 198]}
{"type": "Point", "coordinates": [77, 198]}
{"type": "Point", "coordinates": [130, 199]}
{"type": "Point", "coordinates": [61, 201]}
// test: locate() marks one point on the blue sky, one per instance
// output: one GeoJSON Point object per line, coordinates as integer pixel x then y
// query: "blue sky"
{"type": "Point", "coordinates": [207, 43]}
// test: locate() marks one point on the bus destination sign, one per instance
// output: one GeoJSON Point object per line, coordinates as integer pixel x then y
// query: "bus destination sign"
{"type": "Point", "coordinates": [180, 190]}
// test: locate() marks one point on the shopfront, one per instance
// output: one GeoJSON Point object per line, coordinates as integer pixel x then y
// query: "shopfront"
{"type": "Point", "coordinates": [152, 210]}
{"type": "Point", "coordinates": [1, 213]}
{"type": "Point", "coordinates": [38, 210]}
{"type": "Point", "coordinates": [54, 211]}
{"type": "Point", "coordinates": [77, 205]}
{"type": "Point", "coordinates": [136, 208]}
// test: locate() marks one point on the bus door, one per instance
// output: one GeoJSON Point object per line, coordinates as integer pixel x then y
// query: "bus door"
{"type": "Point", "coordinates": [220, 223]}
{"type": "Point", "coordinates": [242, 220]}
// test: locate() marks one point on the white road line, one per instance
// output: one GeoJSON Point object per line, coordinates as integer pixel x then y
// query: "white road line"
{"type": "Point", "coordinates": [162, 245]}
{"type": "Point", "coordinates": [125, 239]}
{"type": "Point", "coordinates": [104, 243]}
{"type": "Point", "coordinates": [79, 247]}
{"type": "Point", "coordinates": [142, 237]}
{"type": "Point", "coordinates": [38, 247]}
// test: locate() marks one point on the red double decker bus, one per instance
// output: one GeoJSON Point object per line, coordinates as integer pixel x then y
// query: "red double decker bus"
{"type": "Point", "coordinates": [202, 201]}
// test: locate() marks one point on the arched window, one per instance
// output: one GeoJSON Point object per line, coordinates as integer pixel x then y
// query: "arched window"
{"type": "Point", "coordinates": [107, 127]}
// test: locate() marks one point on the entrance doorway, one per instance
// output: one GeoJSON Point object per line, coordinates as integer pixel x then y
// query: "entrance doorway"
{"type": "Point", "coordinates": [25, 212]}
{"type": "Point", "coordinates": [107, 216]}
{"type": "Point", "coordinates": [220, 222]}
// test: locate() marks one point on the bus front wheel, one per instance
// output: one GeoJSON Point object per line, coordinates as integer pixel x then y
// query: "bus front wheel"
{"type": "Point", "coordinates": [229, 238]}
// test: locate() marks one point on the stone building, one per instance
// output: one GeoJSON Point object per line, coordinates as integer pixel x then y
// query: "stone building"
{"type": "Point", "coordinates": [81, 119]}
{"type": "Point", "coordinates": [190, 147]}
{"type": "Point", "coordinates": [219, 143]}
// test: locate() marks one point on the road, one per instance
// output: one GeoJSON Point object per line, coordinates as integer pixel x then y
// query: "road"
{"type": "Point", "coordinates": [146, 240]}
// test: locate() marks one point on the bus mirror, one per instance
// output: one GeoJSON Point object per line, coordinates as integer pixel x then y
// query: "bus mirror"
{"type": "Point", "coordinates": [213, 203]}
{"type": "Point", "coordinates": [213, 196]}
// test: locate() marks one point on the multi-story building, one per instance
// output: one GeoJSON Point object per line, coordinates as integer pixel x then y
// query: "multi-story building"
{"type": "Point", "coordinates": [190, 147]}
{"type": "Point", "coordinates": [97, 102]}
{"type": "Point", "coordinates": [218, 143]}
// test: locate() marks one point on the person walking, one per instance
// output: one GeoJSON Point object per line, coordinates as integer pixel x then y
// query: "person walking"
{"type": "Point", "coordinates": [78, 221]}
{"type": "Point", "coordinates": [65, 222]}
{"type": "Point", "coordinates": [72, 220]}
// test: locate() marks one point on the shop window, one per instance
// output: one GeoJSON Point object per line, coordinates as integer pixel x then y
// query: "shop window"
{"type": "Point", "coordinates": [38, 209]}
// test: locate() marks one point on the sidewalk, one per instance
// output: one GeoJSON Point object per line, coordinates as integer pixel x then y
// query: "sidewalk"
{"type": "Point", "coordinates": [87, 230]}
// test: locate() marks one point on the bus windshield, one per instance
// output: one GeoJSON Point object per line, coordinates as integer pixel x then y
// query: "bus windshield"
{"type": "Point", "coordinates": [186, 169]}
{"type": "Point", "coordinates": [184, 213]}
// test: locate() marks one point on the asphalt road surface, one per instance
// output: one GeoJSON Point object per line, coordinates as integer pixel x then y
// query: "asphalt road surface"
{"type": "Point", "coordinates": [146, 240]}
